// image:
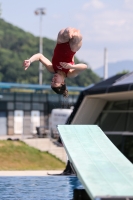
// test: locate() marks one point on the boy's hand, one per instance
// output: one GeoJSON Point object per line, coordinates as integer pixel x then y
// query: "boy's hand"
{"type": "Point", "coordinates": [66, 65]}
{"type": "Point", "coordinates": [26, 64]}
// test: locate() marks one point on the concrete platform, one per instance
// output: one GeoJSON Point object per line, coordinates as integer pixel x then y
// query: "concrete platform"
{"type": "Point", "coordinates": [45, 144]}
{"type": "Point", "coordinates": [29, 173]}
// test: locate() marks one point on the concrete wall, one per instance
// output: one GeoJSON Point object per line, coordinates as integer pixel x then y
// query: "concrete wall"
{"type": "Point", "coordinates": [89, 110]}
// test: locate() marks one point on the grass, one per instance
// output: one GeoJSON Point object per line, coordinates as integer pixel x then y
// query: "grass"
{"type": "Point", "coordinates": [16, 155]}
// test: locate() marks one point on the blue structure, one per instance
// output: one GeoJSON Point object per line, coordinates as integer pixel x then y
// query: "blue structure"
{"type": "Point", "coordinates": [34, 87]}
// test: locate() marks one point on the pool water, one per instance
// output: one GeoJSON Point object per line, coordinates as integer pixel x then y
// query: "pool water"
{"type": "Point", "coordinates": [38, 188]}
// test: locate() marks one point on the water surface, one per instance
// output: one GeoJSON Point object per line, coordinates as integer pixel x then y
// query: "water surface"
{"type": "Point", "coordinates": [38, 188]}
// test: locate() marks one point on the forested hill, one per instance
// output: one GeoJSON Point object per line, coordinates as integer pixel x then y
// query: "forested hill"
{"type": "Point", "coordinates": [17, 45]}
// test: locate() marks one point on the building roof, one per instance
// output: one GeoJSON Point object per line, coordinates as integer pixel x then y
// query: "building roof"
{"type": "Point", "coordinates": [126, 79]}
{"type": "Point", "coordinates": [117, 83]}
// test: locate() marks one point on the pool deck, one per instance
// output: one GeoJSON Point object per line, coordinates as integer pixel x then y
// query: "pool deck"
{"type": "Point", "coordinates": [30, 173]}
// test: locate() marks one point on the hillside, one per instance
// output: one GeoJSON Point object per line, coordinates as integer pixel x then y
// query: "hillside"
{"type": "Point", "coordinates": [17, 45]}
{"type": "Point", "coordinates": [16, 155]}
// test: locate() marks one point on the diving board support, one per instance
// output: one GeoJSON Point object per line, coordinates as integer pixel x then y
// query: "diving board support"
{"type": "Point", "coordinates": [103, 170]}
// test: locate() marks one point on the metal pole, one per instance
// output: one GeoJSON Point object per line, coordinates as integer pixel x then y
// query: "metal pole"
{"type": "Point", "coordinates": [105, 64]}
{"type": "Point", "coordinates": [40, 11]}
{"type": "Point", "coordinates": [41, 51]}
{"type": "Point", "coordinates": [0, 10]}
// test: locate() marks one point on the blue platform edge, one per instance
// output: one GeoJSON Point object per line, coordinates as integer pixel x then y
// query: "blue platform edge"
{"type": "Point", "coordinates": [102, 169]}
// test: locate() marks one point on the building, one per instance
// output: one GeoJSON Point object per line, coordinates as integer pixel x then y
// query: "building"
{"type": "Point", "coordinates": [23, 107]}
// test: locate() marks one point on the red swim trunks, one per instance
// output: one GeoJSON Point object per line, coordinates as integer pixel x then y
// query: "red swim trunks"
{"type": "Point", "coordinates": [62, 53]}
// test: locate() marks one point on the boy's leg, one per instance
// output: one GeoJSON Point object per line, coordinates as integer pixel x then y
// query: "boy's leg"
{"type": "Point", "coordinates": [73, 36]}
{"type": "Point", "coordinates": [76, 40]}
{"type": "Point", "coordinates": [64, 35]}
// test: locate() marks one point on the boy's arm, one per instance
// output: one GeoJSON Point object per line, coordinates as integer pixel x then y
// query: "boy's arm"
{"type": "Point", "coordinates": [74, 69]}
{"type": "Point", "coordinates": [42, 59]}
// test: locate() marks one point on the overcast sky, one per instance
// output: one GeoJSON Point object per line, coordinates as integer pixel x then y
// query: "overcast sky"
{"type": "Point", "coordinates": [103, 24]}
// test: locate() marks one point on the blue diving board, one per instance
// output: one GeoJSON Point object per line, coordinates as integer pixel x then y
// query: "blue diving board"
{"type": "Point", "coordinates": [103, 170]}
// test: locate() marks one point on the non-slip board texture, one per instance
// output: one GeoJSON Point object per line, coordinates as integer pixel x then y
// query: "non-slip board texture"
{"type": "Point", "coordinates": [102, 169]}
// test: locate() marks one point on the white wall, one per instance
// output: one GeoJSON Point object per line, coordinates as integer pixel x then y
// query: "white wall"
{"type": "Point", "coordinates": [18, 121]}
{"type": "Point", "coordinates": [3, 123]}
{"type": "Point", "coordinates": [35, 120]}
{"type": "Point", "coordinates": [88, 111]}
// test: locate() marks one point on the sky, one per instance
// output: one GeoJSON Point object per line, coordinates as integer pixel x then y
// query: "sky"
{"type": "Point", "coordinates": [103, 24]}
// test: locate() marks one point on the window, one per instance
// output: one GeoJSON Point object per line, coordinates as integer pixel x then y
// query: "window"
{"type": "Point", "coordinates": [117, 116]}
{"type": "Point", "coordinates": [19, 106]}
{"type": "Point", "coordinates": [3, 105]}
{"type": "Point", "coordinates": [10, 106]}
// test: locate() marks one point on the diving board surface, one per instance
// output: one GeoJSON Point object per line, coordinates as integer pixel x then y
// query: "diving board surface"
{"type": "Point", "coordinates": [102, 169]}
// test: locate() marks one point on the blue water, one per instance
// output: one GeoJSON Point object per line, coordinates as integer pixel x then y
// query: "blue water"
{"type": "Point", "coordinates": [38, 188]}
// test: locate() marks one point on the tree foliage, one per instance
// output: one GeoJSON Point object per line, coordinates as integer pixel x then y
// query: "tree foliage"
{"type": "Point", "coordinates": [17, 45]}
